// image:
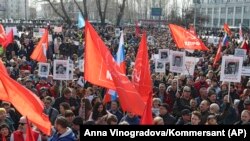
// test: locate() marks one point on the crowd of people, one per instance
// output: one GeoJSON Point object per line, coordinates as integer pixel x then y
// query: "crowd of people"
{"type": "Point", "coordinates": [200, 99]}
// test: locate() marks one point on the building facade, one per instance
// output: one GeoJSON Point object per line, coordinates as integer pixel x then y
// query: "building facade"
{"type": "Point", "coordinates": [218, 12]}
{"type": "Point", "coordinates": [14, 9]}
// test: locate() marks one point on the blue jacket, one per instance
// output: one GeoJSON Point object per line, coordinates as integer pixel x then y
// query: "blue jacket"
{"type": "Point", "coordinates": [67, 136]}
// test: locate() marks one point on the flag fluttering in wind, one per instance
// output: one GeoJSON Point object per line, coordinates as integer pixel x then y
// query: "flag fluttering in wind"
{"type": "Point", "coordinates": [129, 98]}
{"type": "Point", "coordinates": [81, 22]}
{"type": "Point", "coordinates": [186, 40]}
{"type": "Point", "coordinates": [225, 41]}
{"type": "Point", "coordinates": [227, 29]}
{"type": "Point", "coordinates": [29, 134]}
{"type": "Point", "coordinates": [26, 102]}
{"type": "Point", "coordinates": [120, 60]}
{"type": "Point", "coordinates": [2, 34]}
{"type": "Point", "coordinates": [141, 76]}
{"type": "Point", "coordinates": [39, 53]}
{"type": "Point", "coordinates": [218, 54]}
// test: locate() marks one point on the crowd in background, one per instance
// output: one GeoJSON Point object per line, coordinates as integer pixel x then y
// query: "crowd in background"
{"type": "Point", "coordinates": [199, 99]}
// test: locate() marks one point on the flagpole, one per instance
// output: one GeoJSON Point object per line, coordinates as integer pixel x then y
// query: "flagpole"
{"type": "Point", "coordinates": [60, 88]}
{"type": "Point", "coordinates": [229, 85]}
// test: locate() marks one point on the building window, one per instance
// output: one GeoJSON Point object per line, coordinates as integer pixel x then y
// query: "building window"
{"type": "Point", "coordinates": [230, 10]}
{"type": "Point", "coordinates": [209, 11]}
{"type": "Point", "coordinates": [238, 10]}
{"type": "Point", "coordinates": [246, 22]}
{"type": "Point", "coordinates": [246, 9]}
{"type": "Point", "coordinates": [223, 11]}
{"type": "Point", "coordinates": [230, 22]}
{"type": "Point", "coordinates": [216, 11]}
{"type": "Point", "coordinates": [216, 22]}
{"type": "Point", "coordinates": [237, 22]}
{"type": "Point", "coordinates": [222, 21]}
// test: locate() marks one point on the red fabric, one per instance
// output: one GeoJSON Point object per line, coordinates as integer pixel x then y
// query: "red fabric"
{"type": "Point", "coordinates": [39, 53]}
{"type": "Point", "coordinates": [18, 136]}
{"type": "Point", "coordinates": [29, 135]}
{"type": "Point", "coordinates": [95, 68]}
{"type": "Point", "coordinates": [129, 98]}
{"type": "Point", "coordinates": [198, 85]}
{"type": "Point", "coordinates": [26, 67]}
{"type": "Point", "coordinates": [2, 67]}
{"type": "Point", "coordinates": [227, 29]}
{"type": "Point", "coordinates": [245, 46]}
{"type": "Point", "coordinates": [218, 54]}
{"type": "Point", "coordinates": [186, 40]}
{"type": "Point", "coordinates": [39, 86]}
{"type": "Point", "coordinates": [107, 97]}
{"type": "Point", "coordinates": [141, 76]}
{"type": "Point", "coordinates": [2, 34]}
{"type": "Point", "coordinates": [9, 39]}
{"type": "Point", "coordinates": [3, 138]}
{"type": "Point", "coordinates": [26, 102]}
{"type": "Point", "coordinates": [147, 117]}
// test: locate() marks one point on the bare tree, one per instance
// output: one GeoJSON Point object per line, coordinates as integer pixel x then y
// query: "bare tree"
{"type": "Point", "coordinates": [78, 6]}
{"type": "Point", "coordinates": [86, 15]}
{"type": "Point", "coordinates": [62, 15]}
{"type": "Point", "coordinates": [102, 12]}
{"type": "Point", "coordinates": [121, 12]}
{"type": "Point", "coordinates": [65, 13]}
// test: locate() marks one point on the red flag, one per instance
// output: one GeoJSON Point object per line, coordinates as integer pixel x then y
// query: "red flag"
{"type": "Point", "coordinates": [29, 134]}
{"type": "Point", "coordinates": [2, 34]}
{"type": "Point", "coordinates": [137, 29]}
{"type": "Point", "coordinates": [218, 54]}
{"type": "Point", "coordinates": [26, 102]}
{"type": "Point", "coordinates": [9, 39]}
{"type": "Point", "coordinates": [147, 117]}
{"type": "Point", "coordinates": [2, 67]}
{"type": "Point", "coordinates": [245, 46]}
{"type": "Point", "coordinates": [39, 53]}
{"type": "Point", "coordinates": [227, 29]}
{"type": "Point", "coordinates": [95, 68]}
{"type": "Point", "coordinates": [129, 98]}
{"type": "Point", "coordinates": [186, 40]}
{"type": "Point", "coordinates": [141, 76]}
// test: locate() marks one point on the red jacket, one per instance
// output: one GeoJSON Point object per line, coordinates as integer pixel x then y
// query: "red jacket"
{"type": "Point", "coordinates": [18, 136]}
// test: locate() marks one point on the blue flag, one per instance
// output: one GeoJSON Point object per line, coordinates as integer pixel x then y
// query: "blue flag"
{"type": "Point", "coordinates": [81, 22]}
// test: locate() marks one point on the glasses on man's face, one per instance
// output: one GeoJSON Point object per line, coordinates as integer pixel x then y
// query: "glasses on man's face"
{"type": "Point", "coordinates": [22, 124]}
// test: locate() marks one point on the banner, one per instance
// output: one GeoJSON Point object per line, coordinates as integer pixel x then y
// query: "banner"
{"type": "Point", "coordinates": [177, 60]}
{"type": "Point", "coordinates": [231, 69]}
{"type": "Point", "coordinates": [81, 65]}
{"type": "Point", "coordinates": [245, 71]}
{"type": "Point", "coordinates": [164, 55]}
{"type": "Point", "coordinates": [61, 70]}
{"type": "Point", "coordinates": [44, 69]}
{"type": "Point", "coordinates": [240, 53]}
{"type": "Point", "coordinates": [117, 32]}
{"type": "Point", "coordinates": [189, 65]}
{"type": "Point", "coordinates": [160, 66]}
